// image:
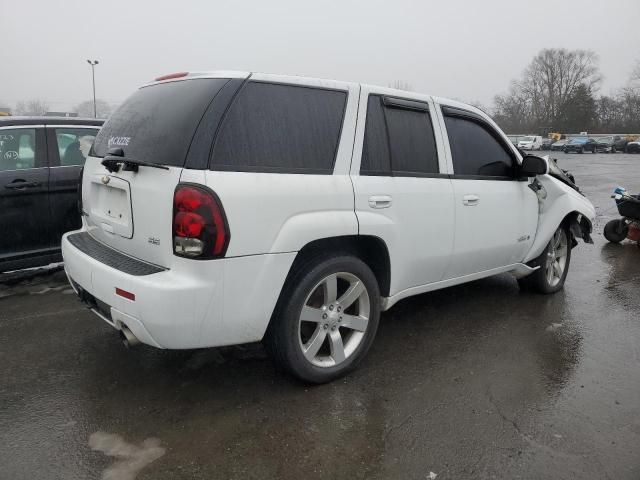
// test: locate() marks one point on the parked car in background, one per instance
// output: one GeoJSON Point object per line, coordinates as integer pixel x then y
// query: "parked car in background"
{"type": "Point", "coordinates": [530, 142]}
{"type": "Point", "coordinates": [559, 145]}
{"type": "Point", "coordinates": [546, 144]}
{"type": "Point", "coordinates": [633, 147]}
{"type": "Point", "coordinates": [367, 195]}
{"type": "Point", "coordinates": [40, 163]}
{"type": "Point", "coordinates": [514, 139]}
{"type": "Point", "coordinates": [611, 144]}
{"type": "Point", "coordinates": [581, 145]}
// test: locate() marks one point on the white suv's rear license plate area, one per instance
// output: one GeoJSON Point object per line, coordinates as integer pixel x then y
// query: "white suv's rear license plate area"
{"type": "Point", "coordinates": [110, 200]}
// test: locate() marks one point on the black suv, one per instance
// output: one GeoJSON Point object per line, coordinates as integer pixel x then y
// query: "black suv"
{"type": "Point", "coordinates": [40, 163]}
{"type": "Point", "coordinates": [612, 143]}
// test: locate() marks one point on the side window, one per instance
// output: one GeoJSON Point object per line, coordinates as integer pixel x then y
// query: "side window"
{"type": "Point", "coordinates": [18, 149]}
{"type": "Point", "coordinates": [281, 129]}
{"type": "Point", "coordinates": [475, 150]}
{"type": "Point", "coordinates": [74, 144]}
{"type": "Point", "coordinates": [399, 139]}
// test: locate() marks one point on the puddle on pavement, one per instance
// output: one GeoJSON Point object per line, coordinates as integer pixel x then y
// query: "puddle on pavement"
{"type": "Point", "coordinates": [130, 458]}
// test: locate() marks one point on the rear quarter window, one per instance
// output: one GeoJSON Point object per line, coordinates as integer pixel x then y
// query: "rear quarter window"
{"type": "Point", "coordinates": [281, 129]}
{"type": "Point", "coordinates": [156, 124]}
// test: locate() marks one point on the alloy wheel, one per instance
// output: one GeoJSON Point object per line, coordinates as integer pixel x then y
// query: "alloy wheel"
{"type": "Point", "coordinates": [334, 319]}
{"type": "Point", "coordinates": [556, 261]}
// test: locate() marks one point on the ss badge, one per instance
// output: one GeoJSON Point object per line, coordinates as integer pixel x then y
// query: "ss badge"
{"type": "Point", "coordinates": [154, 241]}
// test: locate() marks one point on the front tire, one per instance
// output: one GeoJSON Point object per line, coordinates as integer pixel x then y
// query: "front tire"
{"type": "Point", "coordinates": [554, 265]}
{"type": "Point", "coordinates": [326, 319]}
{"type": "Point", "coordinates": [616, 230]}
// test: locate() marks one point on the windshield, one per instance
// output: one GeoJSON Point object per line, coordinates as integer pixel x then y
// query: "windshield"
{"type": "Point", "coordinates": [528, 139]}
{"type": "Point", "coordinates": [156, 123]}
{"type": "Point", "coordinates": [578, 140]}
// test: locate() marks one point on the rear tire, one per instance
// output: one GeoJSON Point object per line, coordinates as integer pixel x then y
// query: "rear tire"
{"type": "Point", "coordinates": [554, 265]}
{"type": "Point", "coordinates": [616, 230]}
{"type": "Point", "coordinates": [326, 318]}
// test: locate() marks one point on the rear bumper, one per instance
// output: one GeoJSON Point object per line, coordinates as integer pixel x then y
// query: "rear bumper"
{"type": "Point", "coordinates": [194, 304]}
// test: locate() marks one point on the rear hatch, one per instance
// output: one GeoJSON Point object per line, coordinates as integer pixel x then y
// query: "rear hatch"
{"type": "Point", "coordinates": [132, 211]}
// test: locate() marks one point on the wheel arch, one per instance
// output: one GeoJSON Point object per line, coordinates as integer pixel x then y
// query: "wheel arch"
{"type": "Point", "coordinates": [370, 249]}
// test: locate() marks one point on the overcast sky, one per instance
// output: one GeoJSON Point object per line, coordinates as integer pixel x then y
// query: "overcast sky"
{"type": "Point", "coordinates": [464, 49]}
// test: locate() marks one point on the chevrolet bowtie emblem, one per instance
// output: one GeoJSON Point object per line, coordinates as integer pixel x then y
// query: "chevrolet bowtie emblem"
{"type": "Point", "coordinates": [105, 179]}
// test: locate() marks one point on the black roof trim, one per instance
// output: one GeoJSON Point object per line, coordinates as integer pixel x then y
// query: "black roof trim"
{"type": "Point", "coordinates": [10, 121]}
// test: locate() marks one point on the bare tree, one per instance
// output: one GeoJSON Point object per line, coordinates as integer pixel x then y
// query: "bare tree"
{"type": "Point", "coordinates": [32, 107]}
{"type": "Point", "coordinates": [401, 85]}
{"type": "Point", "coordinates": [85, 109]}
{"type": "Point", "coordinates": [554, 76]}
{"type": "Point", "coordinates": [547, 86]}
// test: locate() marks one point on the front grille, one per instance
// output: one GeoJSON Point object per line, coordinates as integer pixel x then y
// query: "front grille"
{"type": "Point", "coordinates": [114, 259]}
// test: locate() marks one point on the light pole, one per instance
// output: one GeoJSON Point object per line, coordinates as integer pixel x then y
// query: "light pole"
{"type": "Point", "coordinates": [93, 78]}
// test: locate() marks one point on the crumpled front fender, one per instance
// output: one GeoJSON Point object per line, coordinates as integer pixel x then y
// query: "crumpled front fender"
{"type": "Point", "coordinates": [560, 203]}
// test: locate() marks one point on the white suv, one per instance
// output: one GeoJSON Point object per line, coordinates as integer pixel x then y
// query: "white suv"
{"type": "Point", "coordinates": [224, 208]}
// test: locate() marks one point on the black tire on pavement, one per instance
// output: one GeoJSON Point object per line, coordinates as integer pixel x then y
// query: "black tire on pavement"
{"type": "Point", "coordinates": [538, 281]}
{"type": "Point", "coordinates": [283, 339]}
{"type": "Point", "coordinates": [616, 230]}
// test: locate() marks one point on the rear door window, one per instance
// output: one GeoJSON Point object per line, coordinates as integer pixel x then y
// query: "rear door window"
{"type": "Point", "coordinates": [18, 149]}
{"type": "Point", "coordinates": [475, 149]}
{"type": "Point", "coordinates": [156, 124]}
{"type": "Point", "coordinates": [399, 139]}
{"type": "Point", "coordinates": [281, 129]}
{"type": "Point", "coordinates": [73, 145]}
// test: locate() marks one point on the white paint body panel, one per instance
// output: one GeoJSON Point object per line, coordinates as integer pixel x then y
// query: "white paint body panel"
{"type": "Point", "coordinates": [418, 225]}
{"type": "Point", "coordinates": [496, 230]}
{"type": "Point", "coordinates": [433, 239]}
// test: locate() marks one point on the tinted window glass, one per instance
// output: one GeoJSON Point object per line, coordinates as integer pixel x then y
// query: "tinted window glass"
{"type": "Point", "coordinates": [376, 159]}
{"type": "Point", "coordinates": [17, 149]}
{"type": "Point", "coordinates": [156, 124]}
{"type": "Point", "coordinates": [74, 144]}
{"type": "Point", "coordinates": [413, 146]}
{"type": "Point", "coordinates": [398, 140]}
{"type": "Point", "coordinates": [281, 128]}
{"type": "Point", "coordinates": [475, 150]}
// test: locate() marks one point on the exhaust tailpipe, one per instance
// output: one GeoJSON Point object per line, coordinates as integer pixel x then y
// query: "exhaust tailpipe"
{"type": "Point", "coordinates": [127, 337]}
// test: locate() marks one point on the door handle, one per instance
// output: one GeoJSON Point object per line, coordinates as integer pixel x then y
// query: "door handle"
{"type": "Point", "coordinates": [470, 200]}
{"type": "Point", "coordinates": [21, 184]}
{"type": "Point", "coordinates": [380, 201]}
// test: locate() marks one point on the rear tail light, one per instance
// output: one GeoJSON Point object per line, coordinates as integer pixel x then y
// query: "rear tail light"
{"type": "Point", "coordinates": [200, 228]}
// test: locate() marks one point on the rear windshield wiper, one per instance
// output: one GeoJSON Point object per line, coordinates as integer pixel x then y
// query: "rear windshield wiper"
{"type": "Point", "coordinates": [115, 157]}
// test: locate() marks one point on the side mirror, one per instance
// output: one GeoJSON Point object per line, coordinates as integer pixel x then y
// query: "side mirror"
{"type": "Point", "coordinates": [533, 165]}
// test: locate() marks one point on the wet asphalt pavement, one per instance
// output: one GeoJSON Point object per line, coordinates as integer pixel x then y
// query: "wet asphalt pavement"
{"type": "Point", "coordinates": [471, 382]}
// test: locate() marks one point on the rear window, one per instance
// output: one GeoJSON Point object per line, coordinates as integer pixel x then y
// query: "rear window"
{"type": "Point", "coordinates": [156, 124]}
